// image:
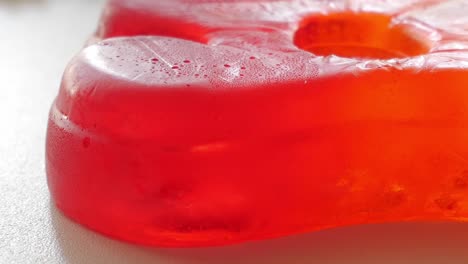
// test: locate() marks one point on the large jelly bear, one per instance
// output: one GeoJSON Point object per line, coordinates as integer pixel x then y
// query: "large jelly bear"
{"type": "Point", "coordinates": [209, 122]}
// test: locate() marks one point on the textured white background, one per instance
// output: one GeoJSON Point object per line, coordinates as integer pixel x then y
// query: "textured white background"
{"type": "Point", "coordinates": [37, 38]}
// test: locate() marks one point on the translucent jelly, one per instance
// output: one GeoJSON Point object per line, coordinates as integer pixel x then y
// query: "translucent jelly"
{"type": "Point", "coordinates": [246, 120]}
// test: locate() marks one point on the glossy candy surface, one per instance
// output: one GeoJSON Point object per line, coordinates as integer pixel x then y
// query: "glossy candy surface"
{"type": "Point", "coordinates": [246, 120]}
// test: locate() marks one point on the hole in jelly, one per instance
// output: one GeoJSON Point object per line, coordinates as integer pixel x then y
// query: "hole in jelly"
{"type": "Point", "coordinates": [360, 35]}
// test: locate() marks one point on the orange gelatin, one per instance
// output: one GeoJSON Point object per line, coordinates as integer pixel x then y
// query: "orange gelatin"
{"type": "Point", "coordinates": [233, 121]}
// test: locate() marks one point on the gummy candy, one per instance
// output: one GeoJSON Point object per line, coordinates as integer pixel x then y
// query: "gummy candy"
{"type": "Point", "coordinates": [209, 122]}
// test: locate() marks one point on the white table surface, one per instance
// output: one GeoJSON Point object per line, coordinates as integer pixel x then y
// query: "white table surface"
{"type": "Point", "coordinates": [37, 38]}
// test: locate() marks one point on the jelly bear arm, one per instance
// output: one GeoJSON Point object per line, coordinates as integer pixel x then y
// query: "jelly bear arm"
{"type": "Point", "coordinates": [193, 19]}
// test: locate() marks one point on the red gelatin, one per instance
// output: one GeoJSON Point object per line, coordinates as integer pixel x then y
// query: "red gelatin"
{"type": "Point", "coordinates": [246, 120]}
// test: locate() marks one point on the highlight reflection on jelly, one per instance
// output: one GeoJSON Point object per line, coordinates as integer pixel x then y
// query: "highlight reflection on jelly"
{"type": "Point", "coordinates": [197, 123]}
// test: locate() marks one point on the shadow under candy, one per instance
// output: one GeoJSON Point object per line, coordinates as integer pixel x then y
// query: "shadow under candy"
{"type": "Point", "coordinates": [378, 243]}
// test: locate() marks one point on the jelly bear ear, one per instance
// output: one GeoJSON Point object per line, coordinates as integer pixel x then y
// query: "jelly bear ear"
{"type": "Point", "coordinates": [122, 76]}
{"type": "Point", "coordinates": [193, 19]}
{"type": "Point", "coordinates": [118, 76]}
